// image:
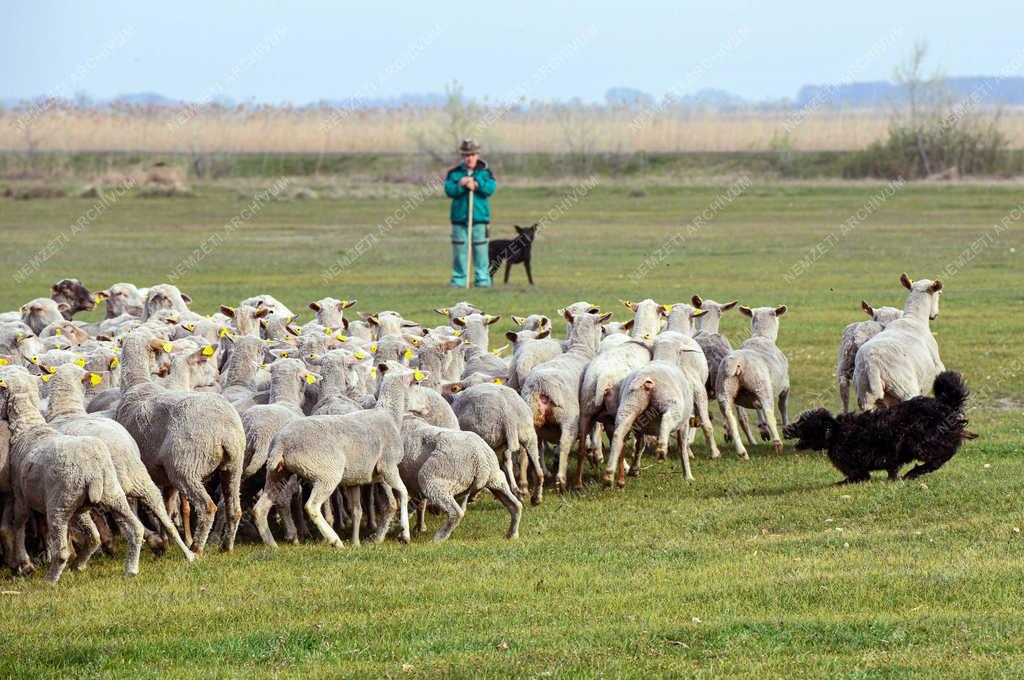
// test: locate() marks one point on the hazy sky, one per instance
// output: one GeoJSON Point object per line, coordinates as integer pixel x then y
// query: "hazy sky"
{"type": "Point", "coordinates": [304, 51]}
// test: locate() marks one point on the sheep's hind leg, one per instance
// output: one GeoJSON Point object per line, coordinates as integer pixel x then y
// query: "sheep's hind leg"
{"type": "Point", "coordinates": [515, 508]}
{"type": "Point", "coordinates": [442, 497]}
{"type": "Point", "coordinates": [321, 491]}
{"type": "Point", "coordinates": [57, 543]}
{"type": "Point", "coordinates": [355, 499]}
{"type": "Point", "coordinates": [87, 527]}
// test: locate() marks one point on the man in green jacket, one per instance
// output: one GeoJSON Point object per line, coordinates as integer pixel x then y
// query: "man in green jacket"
{"type": "Point", "coordinates": [470, 176]}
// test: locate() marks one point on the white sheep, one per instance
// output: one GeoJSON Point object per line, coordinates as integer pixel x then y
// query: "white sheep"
{"type": "Point", "coordinates": [902, 361]}
{"type": "Point", "coordinates": [855, 335]}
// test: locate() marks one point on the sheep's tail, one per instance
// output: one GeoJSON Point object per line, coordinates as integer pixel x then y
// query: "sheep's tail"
{"type": "Point", "coordinates": [875, 385]}
{"type": "Point", "coordinates": [951, 390]}
{"type": "Point", "coordinates": [540, 404]}
{"type": "Point", "coordinates": [731, 366]}
{"type": "Point", "coordinates": [94, 488]}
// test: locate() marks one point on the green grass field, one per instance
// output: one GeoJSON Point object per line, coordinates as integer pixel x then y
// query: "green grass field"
{"type": "Point", "coordinates": [758, 568]}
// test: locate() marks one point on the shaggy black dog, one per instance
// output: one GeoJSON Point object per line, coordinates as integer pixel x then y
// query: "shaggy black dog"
{"type": "Point", "coordinates": [928, 429]}
{"type": "Point", "coordinates": [513, 251]}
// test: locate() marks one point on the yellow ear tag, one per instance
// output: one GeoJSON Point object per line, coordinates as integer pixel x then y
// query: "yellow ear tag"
{"type": "Point", "coordinates": [3, 383]}
{"type": "Point", "coordinates": [57, 331]}
{"type": "Point", "coordinates": [498, 381]}
{"type": "Point", "coordinates": [95, 379]}
{"type": "Point", "coordinates": [46, 377]}
{"type": "Point", "coordinates": [456, 333]}
{"type": "Point", "coordinates": [312, 357]}
{"type": "Point", "coordinates": [415, 341]}
{"type": "Point", "coordinates": [115, 362]}
{"type": "Point", "coordinates": [191, 326]}
{"type": "Point", "coordinates": [80, 362]}
{"type": "Point", "coordinates": [21, 336]}
{"type": "Point", "coordinates": [34, 360]}
{"type": "Point", "coordinates": [373, 348]}
{"type": "Point", "coordinates": [668, 308]}
{"type": "Point", "coordinates": [4, 362]}
{"type": "Point", "coordinates": [167, 347]}
{"type": "Point", "coordinates": [224, 332]}
{"type": "Point", "coordinates": [373, 371]}
{"type": "Point", "coordinates": [342, 338]}
{"type": "Point", "coordinates": [408, 354]}
{"type": "Point", "coordinates": [418, 375]}
{"type": "Point", "coordinates": [208, 351]}
{"type": "Point", "coordinates": [310, 378]}
{"type": "Point", "coordinates": [329, 331]}
{"type": "Point", "coordinates": [284, 355]}
{"type": "Point", "coordinates": [699, 312]}
{"type": "Point", "coordinates": [359, 355]}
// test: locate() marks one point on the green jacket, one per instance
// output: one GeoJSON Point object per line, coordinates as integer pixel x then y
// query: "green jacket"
{"type": "Point", "coordinates": [460, 195]}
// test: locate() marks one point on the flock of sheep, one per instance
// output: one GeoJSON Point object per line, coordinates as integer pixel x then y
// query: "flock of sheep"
{"type": "Point", "coordinates": [161, 415]}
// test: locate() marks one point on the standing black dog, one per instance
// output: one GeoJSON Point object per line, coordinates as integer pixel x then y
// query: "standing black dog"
{"type": "Point", "coordinates": [928, 429]}
{"type": "Point", "coordinates": [513, 251]}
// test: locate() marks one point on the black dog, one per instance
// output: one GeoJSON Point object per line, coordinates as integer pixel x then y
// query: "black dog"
{"type": "Point", "coordinates": [513, 251]}
{"type": "Point", "coordinates": [928, 429]}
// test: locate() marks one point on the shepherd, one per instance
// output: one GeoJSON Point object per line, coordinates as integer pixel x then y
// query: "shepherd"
{"type": "Point", "coordinates": [469, 184]}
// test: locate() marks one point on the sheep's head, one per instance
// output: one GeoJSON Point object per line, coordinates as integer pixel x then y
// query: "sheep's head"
{"type": "Point", "coordinates": [74, 294]}
{"type": "Point", "coordinates": [923, 297]}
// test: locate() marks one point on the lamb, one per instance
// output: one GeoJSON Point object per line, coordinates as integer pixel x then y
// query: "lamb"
{"type": "Point", "coordinates": [123, 298]}
{"type": "Point", "coordinates": [66, 413]}
{"type": "Point", "coordinates": [500, 416]}
{"type": "Point", "coordinates": [440, 464]}
{"type": "Point", "coordinates": [62, 476]}
{"type": "Point", "coordinates": [755, 375]}
{"type": "Point", "coordinates": [552, 390]}
{"type": "Point", "coordinates": [441, 358]}
{"type": "Point", "coordinates": [269, 302]}
{"type": "Point", "coordinates": [655, 399]}
{"type": "Point", "coordinates": [529, 350]}
{"type": "Point", "coordinates": [165, 296]}
{"type": "Point", "coordinates": [599, 397]}
{"type": "Point", "coordinates": [184, 437]}
{"type": "Point", "coordinates": [239, 375]}
{"type": "Point", "coordinates": [73, 294]}
{"type": "Point", "coordinates": [348, 451]}
{"type": "Point", "coordinates": [533, 322]}
{"type": "Point", "coordinates": [855, 335]}
{"type": "Point", "coordinates": [330, 312]}
{"type": "Point", "coordinates": [903, 360]}
{"type": "Point", "coordinates": [41, 312]}
{"type": "Point", "coordinates": [716, 346]}
{"type": "Point", "coordinates": [246, 318]}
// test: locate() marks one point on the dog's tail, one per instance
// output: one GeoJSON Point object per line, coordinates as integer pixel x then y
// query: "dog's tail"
{"type": "Point", "coordinates": [951, 390]}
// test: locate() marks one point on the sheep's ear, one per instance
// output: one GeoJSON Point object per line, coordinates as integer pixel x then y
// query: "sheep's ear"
{"type": "Point", "coordinates": [101, 295]}
{"type": "Point", "coordinates": [186, 299]}
{"type": "Point", "coordinates": [664, 310]}
{"type": "Point", "coordinates": [315, 306]}
{"type": "Point", "coordinates": [936, 286]}
{"type": "Point", "coordinates": [512, 336]}
{"type": "Point", "coordinates": [90, 378]}
{"type": "Point", "coordinates": [443, 311]}
{"type": "Point", "coordinates": [492, 319]}
{"type": "Point", "coordinates": [604, 317]}
{"type": "Point", "coordinates": [545, 322]}
{"type": "Point", "coordinates": [566, 314]}
{"type": "Point", "coordinates": [543, 334]}
{"type": "Point", "coordinates": [518, 320]}
{"type": "Point", "coordinates": [780, 310]}
{"type": "Point", "coordinates": [292, 329]}
{"type": "Point", "coordinates": [906, 281]}
{"type": "Point", "coordinates": [227, 311]}
{"type": "Point", "coordinates": [372, 320]}
{"type": "Point", "coordinates": [263, 323]}
{"type": "Point", "coordinates": [409, 324]}
{"type": "Point", "coordinates": [54, 289]}
{"type": "Point", "coordinates": [382, 368]}
{"type": "Point", "coordinates": [459, 321]}
{"type": "Point", "coordinates": [698, 312]}
{"type": "Point", "coordinates": [729, 305]}
{"type": "Point", "coordinates": [746, 311]}
{"type": "Point", "coordinates": [344, 322]}
{"type": "Point", "coordinates": [628, 325]}
{"type": "Point", "coordinates": [63, 307]}
{"type": "Point", "coordinates": [867, 308]}
{"type": "Point", "coordinates": [310, 377]}
{"type": "Point", "coordinates": [629, 305]}
{"type": "Point", "coordinates": [6, 359]}
{"type": "Point", "coordinates": [262, 312]}
{"type": "Point", "coordinates": [696, 301]}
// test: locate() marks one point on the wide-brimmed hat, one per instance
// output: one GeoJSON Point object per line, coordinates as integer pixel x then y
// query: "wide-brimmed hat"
{"type": "Point", "coordinates": [468, 147]}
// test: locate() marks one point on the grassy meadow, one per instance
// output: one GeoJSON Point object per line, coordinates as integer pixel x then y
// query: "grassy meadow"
{"type": "Point", "coordinates": [758, 568]}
